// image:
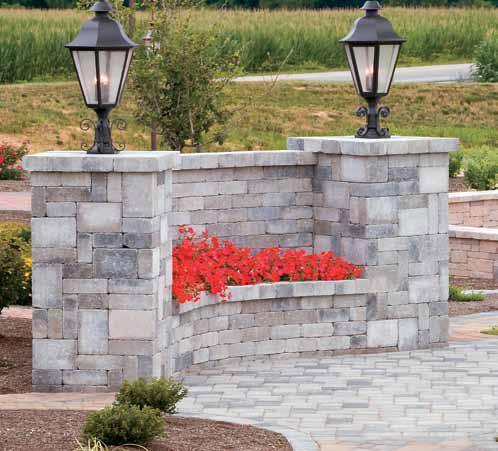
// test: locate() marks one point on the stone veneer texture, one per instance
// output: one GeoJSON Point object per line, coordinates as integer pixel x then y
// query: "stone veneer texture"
{"type": "Point", "coordinates": [103, 227]}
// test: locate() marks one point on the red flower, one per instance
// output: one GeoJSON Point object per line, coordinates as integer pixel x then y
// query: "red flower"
{"type": "Point", "coordinates": [205, 264]}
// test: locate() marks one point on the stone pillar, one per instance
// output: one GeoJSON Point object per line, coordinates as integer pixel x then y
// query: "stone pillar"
{"type": "Point", "coordinates": [101, 267]}
{"type": "Point", "coordinates": [384, 204]}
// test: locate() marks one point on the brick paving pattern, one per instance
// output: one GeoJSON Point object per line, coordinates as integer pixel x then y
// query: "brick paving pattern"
{"type": "Point", "coordinates": [428, 400]}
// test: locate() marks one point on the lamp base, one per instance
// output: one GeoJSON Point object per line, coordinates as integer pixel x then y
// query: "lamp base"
{"type": "Point", "coordinates": [372, 129]}
{"type": "Point", "coordinates": [102, 143]}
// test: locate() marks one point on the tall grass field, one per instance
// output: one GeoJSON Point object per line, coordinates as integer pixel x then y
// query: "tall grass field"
{"type": "Point", "coordinates": [32, 41]}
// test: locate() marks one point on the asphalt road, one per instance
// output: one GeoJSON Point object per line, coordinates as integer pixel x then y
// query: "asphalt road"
{"type": "Point", "coordinates": [424, 74]}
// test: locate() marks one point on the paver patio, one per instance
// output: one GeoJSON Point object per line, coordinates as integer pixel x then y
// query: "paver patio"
{"type": "Point", "coordinates": [441, 399]}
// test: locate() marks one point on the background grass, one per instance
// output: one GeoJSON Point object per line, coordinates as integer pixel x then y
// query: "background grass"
{"type": "Point", "coordinates": [48, 114]}
{"type": "Point", "coordinates": [32, 41]}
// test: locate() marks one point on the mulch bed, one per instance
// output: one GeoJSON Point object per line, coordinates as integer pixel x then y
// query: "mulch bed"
{"type": "Point", "coordinates": [15, 355]}
{"type": "Point", "coordinates": [58, 430]}
{"type": "Point", "coordinates": [474, 284]}
{"type": "Point", "coordinates": [490, 304]}
{"type": "Point", "coordinates": [458, 185]}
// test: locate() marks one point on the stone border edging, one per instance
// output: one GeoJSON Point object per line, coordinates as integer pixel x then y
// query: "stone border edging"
{"type": "Point", "coordinates": [474, 233]}
{"type": "Point", "coordinates": [299, 440]}
{"type": "Point", "coordinates": [472, 196]}
{"type": "Point", "coordinates": [282, 290]}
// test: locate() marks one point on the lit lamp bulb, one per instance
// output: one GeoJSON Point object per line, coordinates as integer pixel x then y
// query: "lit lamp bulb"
{"type": "Point", "coordinates": [369, 79]}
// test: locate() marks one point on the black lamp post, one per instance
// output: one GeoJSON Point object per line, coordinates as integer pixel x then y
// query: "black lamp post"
{"type": "Point", "coordinates": [102, 55]}
{"type": "Point", "coordinates": [372, 48]}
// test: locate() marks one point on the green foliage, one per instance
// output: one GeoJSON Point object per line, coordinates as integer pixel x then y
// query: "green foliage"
{"type": "Point", "coordinates": [492, 331]}
{"type": "Point", "coordinates": [179, 80]}
{"type": "Point", "coordinates": [15, 264]}
{"type": "Point", "coordinates": [455, 165]}
{"type": "Point", "coordinates": [481, 172]}
{"type": "Point", "coordinates": [458, 295]}
{"type": "Point", "coordinates": [32, 41]}
{"type": "Point", "coordinates": [92, 445]}
{"type": "Point", "coordinates": [161, 394]}
{"type": "Point", "coordinates": [486, 59]}
{"type": "Point", "coordinates": [124, 424]}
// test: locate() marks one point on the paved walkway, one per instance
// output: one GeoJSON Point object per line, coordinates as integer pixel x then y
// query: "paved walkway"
{"type": "Point", "coordinates": [15, 201]}
{"type": "Point", "coordinates": [424, 74]}
{"type": "Point", "coordinates": [429, 400]}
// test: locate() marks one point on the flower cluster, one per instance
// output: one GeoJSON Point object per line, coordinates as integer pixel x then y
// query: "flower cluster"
{"type": "Point", "coordinates": [10, 157]}
{"type": "Point", "coordinates": [208, 264]}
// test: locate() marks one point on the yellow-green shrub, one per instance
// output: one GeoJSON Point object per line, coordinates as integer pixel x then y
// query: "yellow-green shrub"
{"type": "Point", "coordinates": [15, 264]}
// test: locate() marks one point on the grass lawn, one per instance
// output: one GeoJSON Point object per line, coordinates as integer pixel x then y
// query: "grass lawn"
{"type": "Point", "coordinates": [48, 114]}
{"type": "Point", "coordinates": [493, 331]}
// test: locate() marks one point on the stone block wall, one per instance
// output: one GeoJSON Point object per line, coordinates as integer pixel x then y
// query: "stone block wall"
{"type": "Point", "coordinates": [101, 267]}
{"type": "Point", "coordinates": [474, 209]}
{"type": "Point", "coordinates": [103, 226]}
{"type": "Point", "coordinates": [254, 199]}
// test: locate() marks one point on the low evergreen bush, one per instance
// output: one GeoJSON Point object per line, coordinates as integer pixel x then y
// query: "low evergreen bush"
{"type": "Point", "coordinates": [455, 164]}
{"type": "Point", "coordinates": [124, 424]}
{"type": "Point", "coordinates": [481, 171]}
{"type": "Point", "coordinates": [161, 394]}
{"type": "Point", "coordinates": [458, 295]}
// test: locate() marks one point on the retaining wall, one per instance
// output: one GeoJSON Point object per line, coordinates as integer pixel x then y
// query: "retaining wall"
{"type": "Point", "coordinates": [103, 227]}
{"type": "Point", "coordinates": [474, 235]}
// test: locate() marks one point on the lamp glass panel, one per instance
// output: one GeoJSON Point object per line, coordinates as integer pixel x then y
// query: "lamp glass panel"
{"type": "Point", "coordinates": [125, 75]}
{"type": "Point", "coordinates": [351, 67]}
{"type": "Point", "coordinates": [111, 65]}
{"type": "Point", "coordinates": [388, 55]}
{"type": "Point", "coordinates": [85, 63]}
{"type": "Point", "coordinates": [364, 57]}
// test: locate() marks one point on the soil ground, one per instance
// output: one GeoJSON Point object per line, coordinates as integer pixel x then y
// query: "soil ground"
{"type": "Point", "coordinates": [59, 430]}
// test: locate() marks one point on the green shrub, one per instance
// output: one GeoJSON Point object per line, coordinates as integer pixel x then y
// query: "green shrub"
{"type": "Point", "coordinates": [481, 172]}
{"type": "Point", "coordinates": [458, 295]}
{"type": "Point", "coordinates": [124, 424]}
{"type": "Point", "coordinates": [15, 264]}
{"type": "Point", "coordinates": [10, 159]}
{"type": "Point", "coordinates": [486, 60]}
{"type": "Point", "coordinates": [455, 165]}
{"type": "Point", "coordinates": [161, 394]}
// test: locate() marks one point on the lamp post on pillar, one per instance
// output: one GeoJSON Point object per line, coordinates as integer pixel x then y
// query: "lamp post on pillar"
{"type": "Point", "coordinates": [372, 49]}
{"type": "Point", "coordinates": [102, 55]}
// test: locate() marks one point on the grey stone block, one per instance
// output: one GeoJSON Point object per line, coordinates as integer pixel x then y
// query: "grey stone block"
{"type": "Point", "coordinates": [84, 377]}
{"type": "Point", "coordinates": [55, 323]}
{"type": "Point", "coordinates": [270, 347]}
{"type": "Point", "coordinates": [131, 302]}
{"type": "Point", "coordinates": [359, 342]}
{"type": "Point", "coordinates": [333, 343]}
{"type": "Point", "coordinates": [242, 321]}
{"type": "Point", "coordinates": [130, 348]}
{"type": "Point", "coordinates": [408, 334]}
{"type": "Point", "coordinates": [54, 354]}
{"type": "Point", "coordinates": [45, 179]}
{"type": "Point", "coordinates": [68, 194]}
{"type": "Point", "coordinates": [402, 311]}
{"type": "Point", "coordinates": [301, 345]}
{"type": "Point", "coordinates": [286, 331]}
{"type": "Point", "coordinates": [70, 317]}
{"type": "Point", "coordinates": [99, 217]}
{"type": "Point", "coordinates": [333, 315]}
{"type": "Point", "coordinates": [53, 232]}
{"type": "Point", "coordinates": [78, 271]}
{"type": "Point", "coordinates": [229, 336]}
{"type": "Point", "coordinates": [350, 328]}
{"type": "Point", "coordinates": [132, 286]}
{"type": "Point", "coordinates": [382, 334]}
{"type": "Point", "coordinates": [99, 187]}
{"type": "Point", "coordinates": [93, 333]}
{"type": "Point", "coordinates": [84, 286]}
{"type": "Point", "coordinates": [108, 240]}
{"type": "Point", "coordinates": [149, 264]}
{"type": "Point", "coordinates": [414, 221]}
{"type": "Point", "coordinates": [139, 193]}
{"type": "Point", "coordinates": [269, 318]}
{"type": "Point", "coordinates": [423, 289]}
{"type": "Point", "coordinates": [40, 324]}
{"type": "Point", "coordinates": [318, 330]}
{"type": "Point", "coordinates": [433, 179]}
{"type": "Point", "coordinates": [47, 377]}
{"type": "Point", "coordinates": [93, 301]}
{"type": "Point", "coordinates": [116, 263]}
{"type": "Point", "coordinates": [132, 324]}
{"type": "Point", "coordinates": [141, 240]}
{"type": "Point", "coordinates": [53, 255]}
{"type": "Point", "coordinates": [85, 248]}
{"type": "Point", "coordinates": [47, 285]}
{"type": "Point", "coordinates": [76, 179]}
{"type": "Point", "coordinates": [61, 209]}
{"type": "Point", "coordinates": [300, 317]}
{"type": "Point", "coordinates": [141, 225]}
{"type": "Point", "coordinates": [114, 187]}
{"type": "Point", "coordinates": [38, 201]}
{"type": "Point", "coordinates": [242, 349]}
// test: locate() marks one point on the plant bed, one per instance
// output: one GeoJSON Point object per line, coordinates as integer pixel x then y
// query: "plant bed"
{"type": "Point", "coordinates": [489, 304]}
{"type": "Point", "coordinates": [15, 186]}
{"type": "Point", "coordinates": [473, 283]}
{"type": "Point", "coordinates": [15, 355]}
{"type": "Point", "coordinates": [58, 430]}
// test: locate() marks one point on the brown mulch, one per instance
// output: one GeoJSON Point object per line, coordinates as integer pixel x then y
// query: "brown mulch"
{"type": "Point", "coordinates": [458, 185]}
{"type": "Point", "coordinates": [15, 216]}
{"type": "Point", "coordinates": [474, 284]}
{"type": "Point", "coordinates": [490, 304]}
{"type": "Point", "coordinates": [15, 355]}
{"type": "Point", "coordinates": [58, 430]}
{"type": "Point", "coordinates": [15, 186]}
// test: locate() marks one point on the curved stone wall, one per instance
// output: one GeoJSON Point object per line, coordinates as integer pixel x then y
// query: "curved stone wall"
{"type": "Point", "coordinates": [287, 319]}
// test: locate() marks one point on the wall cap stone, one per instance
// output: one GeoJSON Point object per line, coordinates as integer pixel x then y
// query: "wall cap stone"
{"type": "Point", "coordinates": [472, 196]}
{"type": "Point", "coordinates": [78, 161]}
{"type": "Point", "coordinates": [279, 290]}
{"type": "Point", "coordinates": [216, 160]}
{"type": "Point", "coordinates": [474, 233]}
{"type": "Point", "coordinates": [349, 145]}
